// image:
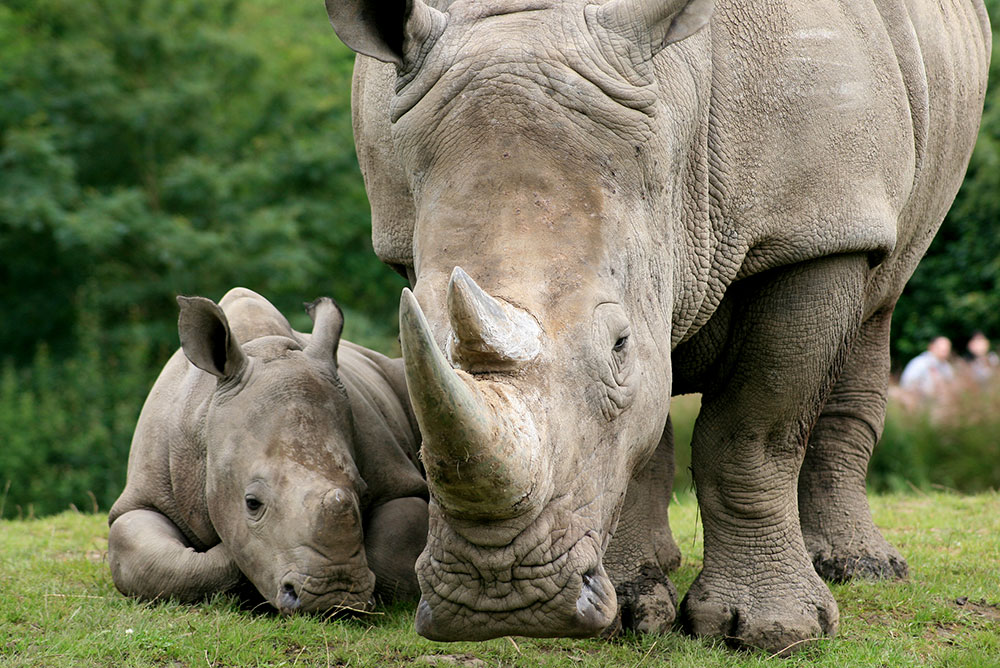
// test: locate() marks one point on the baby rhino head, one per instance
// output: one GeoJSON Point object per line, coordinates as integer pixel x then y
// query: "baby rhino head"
{"type": "Point", "coordinates": [282, 489]}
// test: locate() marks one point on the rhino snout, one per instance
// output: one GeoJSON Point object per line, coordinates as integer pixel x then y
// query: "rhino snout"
{"type": "Point", "coordinates": [597, 602]}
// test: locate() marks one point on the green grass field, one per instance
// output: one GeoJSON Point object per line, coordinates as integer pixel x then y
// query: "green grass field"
{"type": "Point", "coordinates": [58, 607]}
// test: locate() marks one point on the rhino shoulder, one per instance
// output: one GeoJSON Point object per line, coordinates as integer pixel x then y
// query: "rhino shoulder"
{"type": "Point", "coordinates": [166, 465]}
{"type": "Point", "coordinates": [387, 440]}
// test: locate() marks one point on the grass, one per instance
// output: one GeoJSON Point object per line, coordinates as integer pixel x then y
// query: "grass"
{"type": "Point", "coordinates": [58, 607]}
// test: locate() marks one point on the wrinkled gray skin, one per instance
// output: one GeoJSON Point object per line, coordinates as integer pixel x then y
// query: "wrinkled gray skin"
{"type": "Point", "coordinates": [287, 458]}
{"type": "Point", "coordinates": [648, 198]}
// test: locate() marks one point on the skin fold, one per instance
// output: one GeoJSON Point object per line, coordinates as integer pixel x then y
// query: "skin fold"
{"type": "Point", "coordinates": [601, 205]}
{"type": "Point", "coordinates": [268, 455]}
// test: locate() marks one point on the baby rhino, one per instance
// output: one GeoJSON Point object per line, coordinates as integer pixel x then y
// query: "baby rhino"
{"type": "Point", "coordinates": [285, 458]}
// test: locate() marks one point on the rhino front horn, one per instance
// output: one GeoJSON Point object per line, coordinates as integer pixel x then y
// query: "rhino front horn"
{"type": "Point", "coordinates": [480, 446]}
{"type": "Point", "coordinates": [488, 334]}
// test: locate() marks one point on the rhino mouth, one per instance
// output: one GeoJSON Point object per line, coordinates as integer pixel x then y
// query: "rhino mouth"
{"type": "Point", "coordinates": [554, 585]}
{"type": "Point", "coordinates": [344, 594]}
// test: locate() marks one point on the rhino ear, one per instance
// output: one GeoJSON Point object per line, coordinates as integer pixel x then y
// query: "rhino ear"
{"type": "Point", "coordinates": [387, 30]}
{"type": "Point", "coordinates": [328, 323]}
{"type": "Point", "coordinates": [206, 339]}
{"type": "Point", "coordinates": [653, 24]}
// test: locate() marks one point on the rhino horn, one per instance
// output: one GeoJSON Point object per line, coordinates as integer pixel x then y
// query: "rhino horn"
{"type": "Point", "coordinates": [328, 323]}
{"type": "Point", "coordinates": [480, 448]}
{"type": "Point", "coordinates": [487, 333]}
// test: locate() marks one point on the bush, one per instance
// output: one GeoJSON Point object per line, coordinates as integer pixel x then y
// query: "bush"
{"type": "Point", "coordinates": [67, 424]}
{"type": "Point", "coordinates": [955, 446]}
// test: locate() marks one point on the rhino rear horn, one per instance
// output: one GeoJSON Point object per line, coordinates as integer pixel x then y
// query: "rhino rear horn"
{"type": "Point", "coordinates": [328, 324]}
{"type": "Point", "coordinates": [653, 24]}
{"type": "Point", "coordinates": [206, 338]}
{"type": "Point", "coordinates": [387, 31]}
{"type": "Point", "coordinates": [488, 333]}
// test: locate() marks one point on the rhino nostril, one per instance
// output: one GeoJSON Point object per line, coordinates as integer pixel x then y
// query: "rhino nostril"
{"type": "Point", "coordinates": [288, 599]}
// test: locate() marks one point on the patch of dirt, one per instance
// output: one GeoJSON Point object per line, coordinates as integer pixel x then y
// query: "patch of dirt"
{"type": "Point", "coordinates": [944, 632]}
{"type": "Point", "coordinates": [466, 660]}
{"type": "Point", "coordinates": [980, 608]}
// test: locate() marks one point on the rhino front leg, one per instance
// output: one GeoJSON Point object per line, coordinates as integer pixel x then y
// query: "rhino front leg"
{"type": "Point", "coordinates": [150, 558]}
{"type": "Point", "coordinates": [837, 525]}
{"type": "Point", "coordinates": [395, 535]}
{"type": "Point", "coordinates": [642, 550]}
{"type": "Point", "coordinates": [787, 342]}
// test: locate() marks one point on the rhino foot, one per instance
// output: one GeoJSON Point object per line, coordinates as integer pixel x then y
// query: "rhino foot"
{"type": "Point", "coordinates": [780, 622]}
{"type": "Point", "coordinates": [646, 604]}
{"type": "Point", "coordinates": [856, 551]}
{"type": "Point", "coordinates": [842, 568]}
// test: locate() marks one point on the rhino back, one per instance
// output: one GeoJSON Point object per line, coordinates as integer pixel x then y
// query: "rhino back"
{"type": "Point", "coordinates": [387, 442]}
{"type": "Point", "coordinates": [251, 316]}
{"type": "Point", "coordinates": [166, 465]}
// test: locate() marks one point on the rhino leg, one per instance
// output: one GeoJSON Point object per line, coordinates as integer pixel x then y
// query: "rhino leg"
{"type": "Point", "coordinates": [643, 550]}
{"type": "Point", "coordinates": [788, 339]}
{"type": "Point", "coordinates": [150, 558]}
{"type": "Point", "coordinates": [395, 535]}
{"type": "Point", "coordinates": [837, 525]}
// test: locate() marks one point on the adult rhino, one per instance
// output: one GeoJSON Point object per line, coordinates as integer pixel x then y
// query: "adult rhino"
{"type": "Point", "coordinates": [286, 458]}
{"type": "Point", "coordinates": [601, 204]}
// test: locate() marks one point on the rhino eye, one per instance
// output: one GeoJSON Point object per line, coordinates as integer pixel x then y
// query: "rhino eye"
{"type": "Point", "coordinates": [620, 343]}
{"type": "Point", "coordinates": [253, 504]}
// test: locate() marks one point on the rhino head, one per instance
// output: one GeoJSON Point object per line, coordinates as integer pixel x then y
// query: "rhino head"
{"type": "Point", "coordinates": [281, 486]}
{"type": "Point", "coordinates": [541, 159]}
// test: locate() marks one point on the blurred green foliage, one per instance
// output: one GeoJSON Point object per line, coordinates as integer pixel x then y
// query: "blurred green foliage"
{"type": "Point", "coordinates": [955, 290]}
{"type": "Point", "coordinates": [67, 424]}
{"type": "Point", "coordinates": [150, 148]}
{"type": "Point", "coordinates": [949, 444]}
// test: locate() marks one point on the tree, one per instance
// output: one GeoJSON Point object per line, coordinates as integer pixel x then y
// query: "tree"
{"type": "Point", "coordinates": [151, 148]}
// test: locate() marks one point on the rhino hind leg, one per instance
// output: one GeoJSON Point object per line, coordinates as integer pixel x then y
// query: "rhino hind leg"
{"type": "Point", "coordinates": [150, 558]}
{"type": "Point", "coordinates": [642, 550]}
{"type": "Point", "coordinates": [789, 337]}
{"type": "Point", "coordinates": [837, 525]}
{"type": "Point", "coordinates": [395, 535]}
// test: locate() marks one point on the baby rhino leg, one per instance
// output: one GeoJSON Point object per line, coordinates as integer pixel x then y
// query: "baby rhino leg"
{"type": "Point", "coordinates": [150, 558]}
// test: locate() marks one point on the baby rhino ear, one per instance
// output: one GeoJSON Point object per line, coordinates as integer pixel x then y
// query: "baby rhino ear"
{"type": "Point", "coordinates": [206, 338]}
{"type": "Point", "coordinates": [328, 323]}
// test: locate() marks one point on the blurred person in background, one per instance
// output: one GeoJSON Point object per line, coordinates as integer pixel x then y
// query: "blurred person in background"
{"type": "Point", "coordinates": [982, 362]}
{"type": "Point", "coordinates": [930, 374]}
